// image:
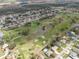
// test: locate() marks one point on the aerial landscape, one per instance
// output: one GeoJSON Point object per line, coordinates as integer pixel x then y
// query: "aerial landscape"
{"type": "Point", "coordinates": [39, 29]}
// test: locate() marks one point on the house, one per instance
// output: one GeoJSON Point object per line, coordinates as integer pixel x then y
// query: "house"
{"type": "Point", "coordinates": [73, 55]}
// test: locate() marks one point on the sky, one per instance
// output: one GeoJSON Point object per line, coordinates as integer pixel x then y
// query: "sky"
{"type": "Point", "coordinates": [54, 1]}
{"type": "Point", "coordinates": [60, 1]}
{"type": "Point", "coordinates": [5, 1]}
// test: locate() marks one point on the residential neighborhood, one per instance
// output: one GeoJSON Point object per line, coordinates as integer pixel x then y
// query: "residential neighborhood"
{"type": "Point", "coordinates": [39, 29]}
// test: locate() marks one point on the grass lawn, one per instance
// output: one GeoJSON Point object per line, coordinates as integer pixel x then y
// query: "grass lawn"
{"type": "Point", "coordinates": [59, 49]}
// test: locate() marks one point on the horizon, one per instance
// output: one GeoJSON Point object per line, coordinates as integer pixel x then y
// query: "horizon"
{"type": "Point", "coordinates": [38, 1]}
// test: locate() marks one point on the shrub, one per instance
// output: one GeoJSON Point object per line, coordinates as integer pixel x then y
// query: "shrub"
{"type": "Point", "coordinates": [23, 31]}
